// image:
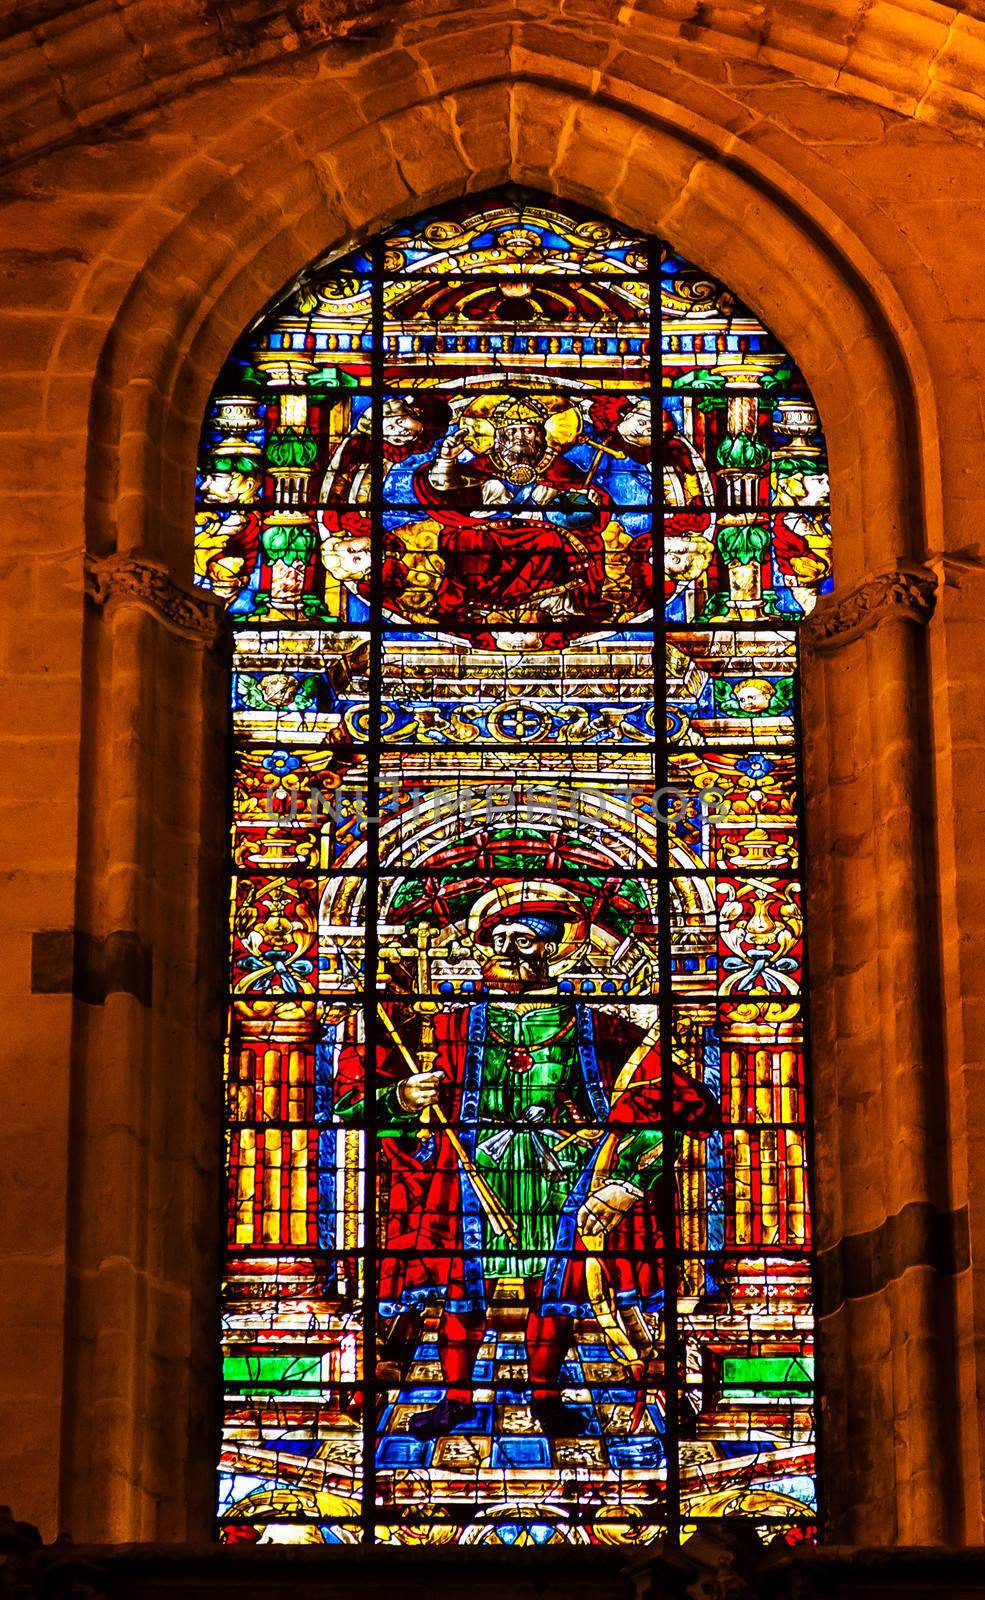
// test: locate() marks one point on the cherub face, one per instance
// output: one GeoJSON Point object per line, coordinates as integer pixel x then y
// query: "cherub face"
{"type": "Point", "coordinates": [278, 688]}
{"type": "Point", "coordinates": [348, 560]}
{"type": "Point", "coordinates": [753, 696]}
{"type": "Point", "coordinates": [686, 557]}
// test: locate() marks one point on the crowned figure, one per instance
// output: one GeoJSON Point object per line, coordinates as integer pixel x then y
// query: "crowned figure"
{"type": "Point", "coordinates": [521, 526]}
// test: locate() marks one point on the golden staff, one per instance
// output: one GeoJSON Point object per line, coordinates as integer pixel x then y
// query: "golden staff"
{"type": "Point", "coordinates": [612, 1325]}
{"type": "Point", "coordinates": [490, 1202]}
{"type": "Point", "coordinates": [600, 451]}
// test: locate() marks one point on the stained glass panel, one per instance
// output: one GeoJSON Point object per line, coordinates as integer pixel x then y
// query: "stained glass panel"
{"type": "Point", "coordinates": [517, 1141]}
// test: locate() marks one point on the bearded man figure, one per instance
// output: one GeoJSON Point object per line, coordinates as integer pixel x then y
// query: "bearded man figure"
{"type": "Point", "coordinates": [521, 537]}
{"type": "Point", "coordinates": [553, 1157]}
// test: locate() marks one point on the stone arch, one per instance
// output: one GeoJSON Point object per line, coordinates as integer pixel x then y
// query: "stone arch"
{"type": "Point", "coordinates": [141, 1307]}
{"type": "Point", "coordinates": [658, 164]}
{"type": "Point", "coordinates": [858, 52]}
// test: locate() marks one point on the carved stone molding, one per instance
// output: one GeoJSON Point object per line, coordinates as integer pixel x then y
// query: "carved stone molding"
{"type": "Point", "coordinates": [918, 1235]}
{"type": "Point", "coordinates": [316, 21]}
{"type": "Point", "coordinates": [126, 580]}
{"type": "Point", "coordinates": [905, 593]}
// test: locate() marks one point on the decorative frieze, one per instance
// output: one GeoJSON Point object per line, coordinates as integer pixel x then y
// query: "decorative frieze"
{"type": "Point", "coordinates": [905, 592]}
{"type": "Point", "coordinates": [127, 580]}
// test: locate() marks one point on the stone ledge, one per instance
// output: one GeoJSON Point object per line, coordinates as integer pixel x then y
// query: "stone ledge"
{"type": "Point", "coordinates": [918, 1235]}
{"type": "Point", "coordinates": [721, 1561]}
{"type": "Point", "coordinates": [67, 961]}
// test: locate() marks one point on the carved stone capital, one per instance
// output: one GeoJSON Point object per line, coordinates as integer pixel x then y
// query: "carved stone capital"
{"type": "Point", "coordinates": [906, 593]}
{"type": "Point", "coordinates": [127, 580]}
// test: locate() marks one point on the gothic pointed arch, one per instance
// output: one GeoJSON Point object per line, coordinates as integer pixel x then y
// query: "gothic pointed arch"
{"type": "Point", "coordinates": [137, 1424]}
{"type": "Point", "coordinates": [516, 515]}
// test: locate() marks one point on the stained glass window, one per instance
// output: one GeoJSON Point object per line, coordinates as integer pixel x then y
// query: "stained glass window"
{"type": "Point", "coordinates": [516, 514]}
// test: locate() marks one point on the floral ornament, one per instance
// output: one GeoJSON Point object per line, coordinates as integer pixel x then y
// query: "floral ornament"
{"type": "Point", "coordinates": [292, 448]}
{"type": "Point", "coordinates": [289, 542]}
{"type": "Point", "coordinates": [282, 786]}
{"type": "Point", "coordinates": [227, 462]}
{"type": "Point", "coordinates": [281, 761]}
{"type": "Point", "coordinates": [276, 935]}
{"type": "Point", "coordinates": [738, 452]}
{"type": "Point", "coordinates": [778, 379]}
{"type": "Point", "coordinates": [755, 765]}
{"type": "Point", "coordinates": [331, 378]}
{"type": "Point", "coordinates": [741, 543]}
{"type": "Point", "coordinates": [709, 386]}
{"type": "Point", "coordinates": [280, 970]}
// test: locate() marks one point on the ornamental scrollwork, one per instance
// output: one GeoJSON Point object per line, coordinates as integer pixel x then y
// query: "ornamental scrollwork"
{"type": "Point", "coordinates": [908, 593]}
{"type": "Point", "coordinates": [119, 580]}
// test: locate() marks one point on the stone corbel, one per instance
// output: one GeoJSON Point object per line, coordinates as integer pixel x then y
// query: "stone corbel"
{"type": "Point", "coordinates": [906, 593]}
{"type": "Point", "coordinates": [128, 580]}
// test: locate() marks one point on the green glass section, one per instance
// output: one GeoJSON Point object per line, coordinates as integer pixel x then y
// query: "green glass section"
{"type": "Point", "coordinates": [288, 1373]}
{"type": "Point", "coordinates": [745, 1377]}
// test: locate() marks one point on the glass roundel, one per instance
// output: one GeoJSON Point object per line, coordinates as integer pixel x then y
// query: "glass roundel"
{"type": "Point", "coordinates": [516, 514]}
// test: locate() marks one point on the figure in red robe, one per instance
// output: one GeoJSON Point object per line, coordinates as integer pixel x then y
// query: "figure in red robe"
{"type": "Point", "coordinates": [521, 528]}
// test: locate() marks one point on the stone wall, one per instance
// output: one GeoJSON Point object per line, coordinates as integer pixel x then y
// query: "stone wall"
{"type": "Point", "coordinates": [167, 165]}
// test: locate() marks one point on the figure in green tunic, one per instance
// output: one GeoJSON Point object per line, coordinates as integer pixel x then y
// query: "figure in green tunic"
{"type": "Point", "coordinates": [545, 1160]}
